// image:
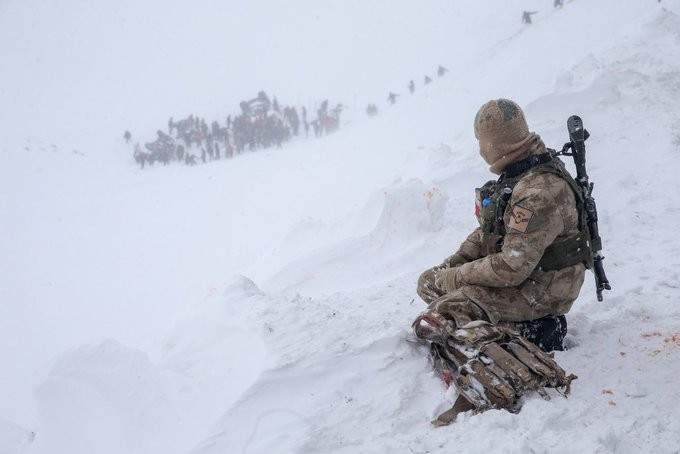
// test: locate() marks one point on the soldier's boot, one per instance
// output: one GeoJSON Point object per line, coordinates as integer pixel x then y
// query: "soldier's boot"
{"type": "Point", "coordinates": [547, 332]}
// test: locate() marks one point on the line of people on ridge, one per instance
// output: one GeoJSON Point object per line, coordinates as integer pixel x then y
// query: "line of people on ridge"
{"type": "Point", "coordinates": [372, 109]}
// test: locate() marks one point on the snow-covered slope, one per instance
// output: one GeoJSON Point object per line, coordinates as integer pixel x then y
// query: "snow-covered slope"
{"type": "Point", "coordinates": [263, 304]}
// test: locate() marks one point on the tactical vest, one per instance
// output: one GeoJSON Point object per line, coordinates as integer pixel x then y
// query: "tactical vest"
{"type": "Point", "coordinates": [492, 200]}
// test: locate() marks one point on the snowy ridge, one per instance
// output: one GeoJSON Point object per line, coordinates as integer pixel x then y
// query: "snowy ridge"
{"type": "Point", "coordinates": [123, 331]}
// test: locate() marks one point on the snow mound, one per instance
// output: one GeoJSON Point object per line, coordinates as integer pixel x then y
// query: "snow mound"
{"type": "Point", "coordinates": [321, 378]}
{"type": "Point", "coordinates": [110, 393]}
{"type": "Point", "coordinates": [213, 341]}
{"type": "Point", "coordinates": [410, 212]}
{"type": "Point", "coordinates": [119, 400]}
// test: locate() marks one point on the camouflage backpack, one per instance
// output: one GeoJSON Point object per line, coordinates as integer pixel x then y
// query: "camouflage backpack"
{"type": "Point", "coordinates": [491, 366]}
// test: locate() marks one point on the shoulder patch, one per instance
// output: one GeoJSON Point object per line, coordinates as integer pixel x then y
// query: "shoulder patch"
{"type": "Point", "coordinates": [519, 218]}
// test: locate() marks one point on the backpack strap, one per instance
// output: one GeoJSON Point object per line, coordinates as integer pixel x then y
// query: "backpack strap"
{"type": "Point", "coordinates": [576, 248]}
{"type": "Point", "coordinates": [572, 250]}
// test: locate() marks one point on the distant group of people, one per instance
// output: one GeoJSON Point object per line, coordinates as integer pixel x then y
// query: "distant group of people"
{"type": "Point", "coordinates": [262, 123]}
{"type": "Point", "coordinates": [372, 109]}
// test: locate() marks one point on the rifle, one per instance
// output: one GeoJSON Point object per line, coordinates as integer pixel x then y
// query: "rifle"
{"type": "Point", "coordinates": [577, 138]}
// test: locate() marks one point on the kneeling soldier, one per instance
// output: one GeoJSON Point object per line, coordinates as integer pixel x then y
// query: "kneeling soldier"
{"type": "Point", "coordinates": [515, 276]}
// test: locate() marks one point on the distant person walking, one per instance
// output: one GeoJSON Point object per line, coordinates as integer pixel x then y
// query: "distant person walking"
{"type": "Point", "coordinates": [526, 16]}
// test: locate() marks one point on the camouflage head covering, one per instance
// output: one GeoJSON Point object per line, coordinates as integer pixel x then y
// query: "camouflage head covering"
{"type": "Point", "coordinates": [503, 134]}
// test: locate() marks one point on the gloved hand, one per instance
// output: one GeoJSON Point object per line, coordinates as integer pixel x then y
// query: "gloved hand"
{"type": "Point", "coordinates": [447, 279]}
{"type": "Point", "coordinates": [427, 288]}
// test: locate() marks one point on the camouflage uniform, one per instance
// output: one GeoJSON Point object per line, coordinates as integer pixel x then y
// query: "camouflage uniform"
{"type": "Point", "coordinates": [508, 284]}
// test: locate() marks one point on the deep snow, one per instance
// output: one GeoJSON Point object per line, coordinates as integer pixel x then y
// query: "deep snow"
{"type": "Point", "coordinates": [263, 304]}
